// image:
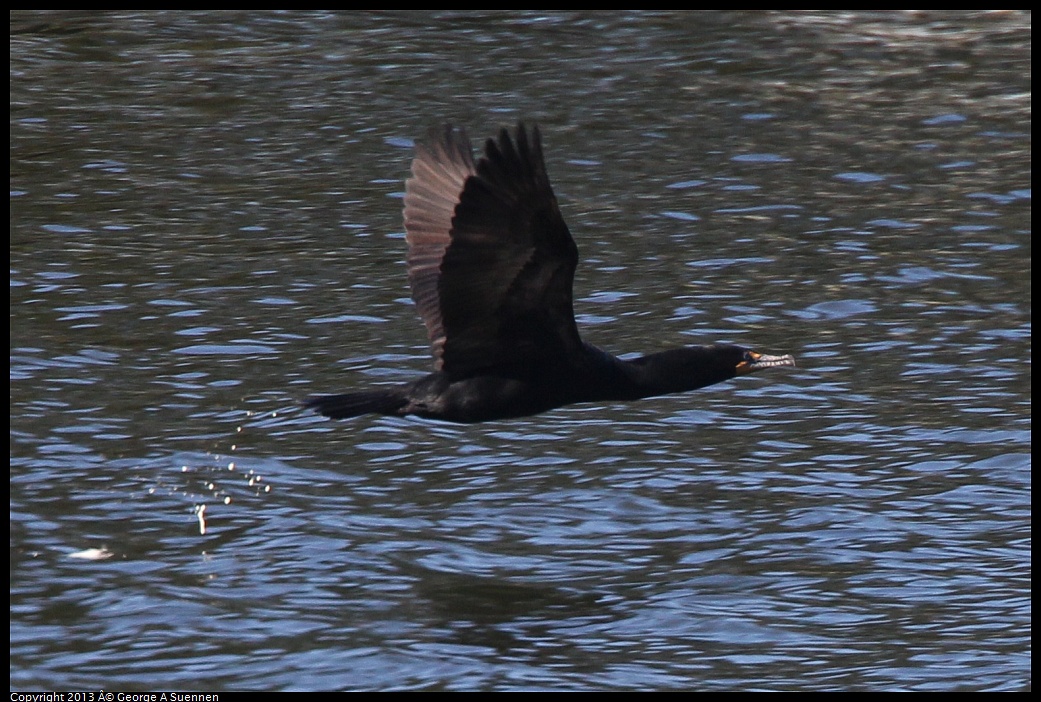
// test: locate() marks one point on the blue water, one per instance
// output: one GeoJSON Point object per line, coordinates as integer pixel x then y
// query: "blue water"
{"type": "Point", "coordinates": [205, 227]}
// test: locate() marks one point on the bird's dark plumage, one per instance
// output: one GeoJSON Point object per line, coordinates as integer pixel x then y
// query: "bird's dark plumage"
{"type": "Point", "coordinates": [491, 264]}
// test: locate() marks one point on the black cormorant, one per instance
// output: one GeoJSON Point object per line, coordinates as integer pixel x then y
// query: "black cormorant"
{"type": "Point", "coordinates": [491, 264]}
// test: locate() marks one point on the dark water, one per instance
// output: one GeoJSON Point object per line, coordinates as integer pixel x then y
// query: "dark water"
{"type": "Point", "coordinates": [205, 227]}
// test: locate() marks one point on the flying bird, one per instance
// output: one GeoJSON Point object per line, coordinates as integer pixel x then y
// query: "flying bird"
{"type": "Point", "coordinates": [491, 265]}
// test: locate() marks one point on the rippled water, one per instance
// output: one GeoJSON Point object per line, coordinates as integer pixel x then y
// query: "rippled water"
{"type": "Point", "coordinates": [205, 227]}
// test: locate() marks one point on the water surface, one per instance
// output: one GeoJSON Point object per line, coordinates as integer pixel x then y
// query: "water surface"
{"type": "Point", "coordinates": [205, 227]}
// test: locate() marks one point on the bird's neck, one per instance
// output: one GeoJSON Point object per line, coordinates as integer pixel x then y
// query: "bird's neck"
{"type": "Point", "coordinates": [677, 370]}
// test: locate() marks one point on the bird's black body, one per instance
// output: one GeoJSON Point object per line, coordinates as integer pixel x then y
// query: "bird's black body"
{"type": "Point", "coordinates": [491, 264]}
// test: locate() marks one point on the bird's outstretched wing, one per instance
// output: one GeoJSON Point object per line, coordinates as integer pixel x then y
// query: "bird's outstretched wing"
{"type": "Point", "coordinates": [491, 261]}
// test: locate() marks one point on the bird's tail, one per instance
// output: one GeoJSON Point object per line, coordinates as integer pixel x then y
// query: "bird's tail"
{"type": "Point", "coordinates": [353, 404]}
